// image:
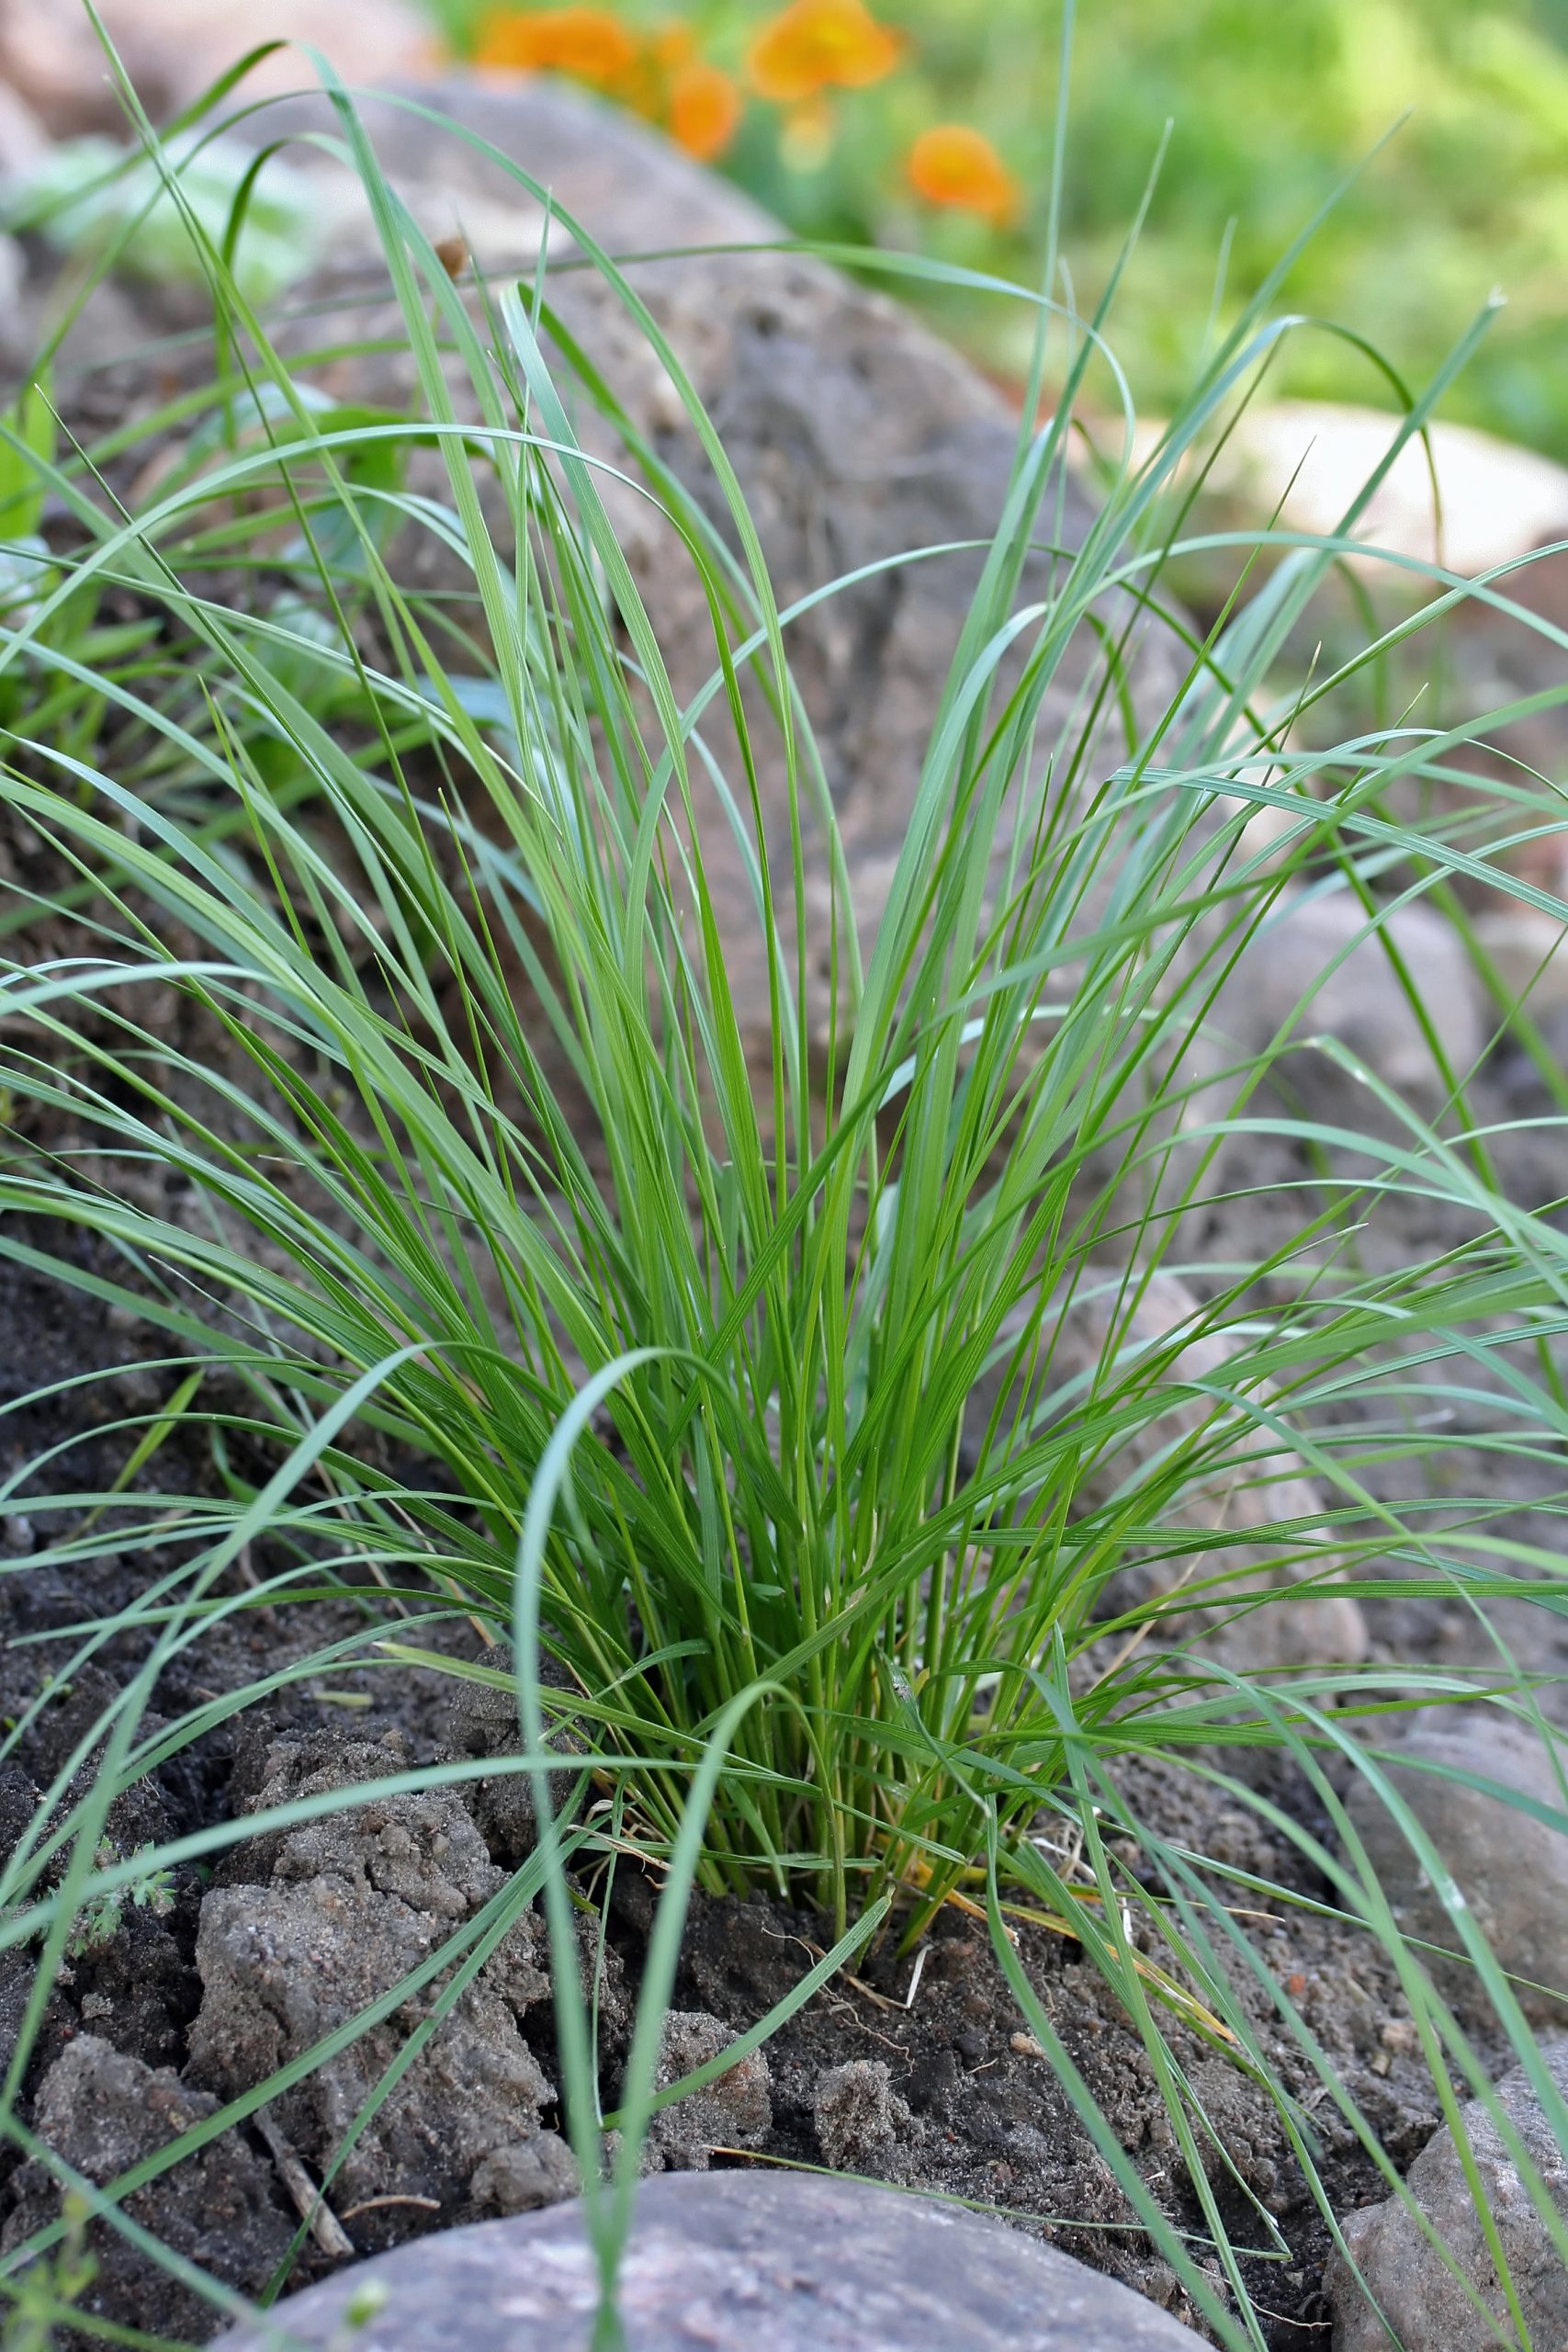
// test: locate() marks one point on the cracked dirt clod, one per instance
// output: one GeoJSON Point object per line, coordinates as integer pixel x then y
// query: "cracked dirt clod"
{"type": "Point", "coordinates": [421, 1845]}
{"type": "Point", "coordinates": [482, 1721]}
{"type": "Point", "coordinates": [526, 2175]}
{"type": "Point", "coordinates": [358, 1901]}
{"type": "Point", "coordinates": [103, 2111]}
{"type": "Point", "coordinates": [736, 2111]}
{"type": "Point", "coordinates": [862, 2122]}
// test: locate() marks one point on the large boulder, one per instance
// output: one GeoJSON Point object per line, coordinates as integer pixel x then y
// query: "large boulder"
{"type": "Point", "coordinates": [734, 2261]}
{"type": "Point", "coordinates": [1149, 1338]}
{"type": "Point", "coordinates": [174, 50]}
{"type": "Point", "coordinates": [1460, 2304]}
{"type": "Point", "coordinates": [856, 435]}
{"type": "Point", "coordinates": [1511, 1866]}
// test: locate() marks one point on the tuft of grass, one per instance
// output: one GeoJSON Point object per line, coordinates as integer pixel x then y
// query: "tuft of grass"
{"type": "Point", "coordinates": [461, 1193]}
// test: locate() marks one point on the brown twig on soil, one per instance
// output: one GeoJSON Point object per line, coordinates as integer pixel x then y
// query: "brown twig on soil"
{"type": "Point", "coordinates": [326, 2227]}
{"type": "Point", "coordinates": [373, 2204]}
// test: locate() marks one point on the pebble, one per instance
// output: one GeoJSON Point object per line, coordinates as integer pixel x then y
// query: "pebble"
{"type": "Point", "coordinates": [1424, 2306]}
{"type": "Point", "coordinates": [1319, 1628]}
{"type": "Point", "coordinates": [735, 2261]}
{"type": "Point", "coordinates": [1318, 946]}
{"type": "Point", "coordinates": [1310, 459]}
{"type": "Point", "coordinates": [1511, 1868]}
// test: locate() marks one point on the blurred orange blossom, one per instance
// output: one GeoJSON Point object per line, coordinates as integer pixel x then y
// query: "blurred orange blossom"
{"type": "Point", "coordinates": [589, 44]}
{"type": "Point", "coordinates": [954, 165]}
{"type": "Point", "coordinates": [814, 43]}
{"type": "Point", "coordinates": [660, 76]}
{"type": "Point", "coordinates": [704, 109]}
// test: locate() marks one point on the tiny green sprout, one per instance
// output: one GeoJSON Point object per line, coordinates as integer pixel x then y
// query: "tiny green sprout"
{"type": "Point", "coordinates": [103, 1916]}
{"type": "Point", "coordinates": [45, 2291]}
{"type": "Point", "coordinates": [156, 1891]}
{"type": "Point", "coordinates": [366, 2302]}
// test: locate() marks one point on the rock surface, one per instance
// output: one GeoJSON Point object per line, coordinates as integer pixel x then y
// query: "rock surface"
{"type": "Point", "coordinates": [1428, 2309]}
{"type": "Point", "coordinates": [1525, 947]}
{"type": "Point", "coordinates": [856, 434]}
{"type": "Point", "coordinates": [737, 2261]}
{"type": "Point", "coordinates": [1317, 951]}
{"type": "Point", "coordinates": [1511, 1868]}
{"type": "Point", "coordinates": [1269, 1488]}
{"type": "Point", "coordinates": [174, 50]}
{"type": "Point", "coordinates": [1309, 460]}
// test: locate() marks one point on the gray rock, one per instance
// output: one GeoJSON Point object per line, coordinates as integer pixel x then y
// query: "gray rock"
{"type": "Point", "coordinates": [174, 50]}
{"type": "Point", "coordinates": [101, 2111]}
{"type": "Point", "coordinates": [856, 434]}
{"type": "Point", "coordinates": [736, 2262]}
{"type": "Point", "coordinates": [1511, 1869]}
{"type": "Point", "coordinates": [1124, 1322]}
{"type": "Point", "coordinates": [24, 141]}
{"type": "Point", "coordinates": [1529, 964]}
{"type": "Point", "coordinates": [1428, 2308]}
{"type": "Point", "coordinates": [1526, 947]}
{"type": "Point", "coordinates": [1318, 946]}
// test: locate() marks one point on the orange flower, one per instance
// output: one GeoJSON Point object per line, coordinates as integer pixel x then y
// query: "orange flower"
{"type": "Point", "coordinates": [704, 109]}
{"type": "Point", "coordinates": [589, 44]}
{"type": "Point", "coordinates": [953, 164]}
{"type": "Point", "coordinates": [816, 42]}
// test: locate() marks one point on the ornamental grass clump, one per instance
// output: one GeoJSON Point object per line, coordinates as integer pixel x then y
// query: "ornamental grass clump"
{"type": "Point", "coordinates": [465, 1196]}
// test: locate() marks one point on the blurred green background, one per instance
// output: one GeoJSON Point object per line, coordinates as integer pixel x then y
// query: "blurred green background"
{"type": "Point", "coordinates": [1270, 102]}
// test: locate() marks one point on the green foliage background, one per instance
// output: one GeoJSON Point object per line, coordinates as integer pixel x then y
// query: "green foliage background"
{"type": "Point", "coordinates": [1270, 103]}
